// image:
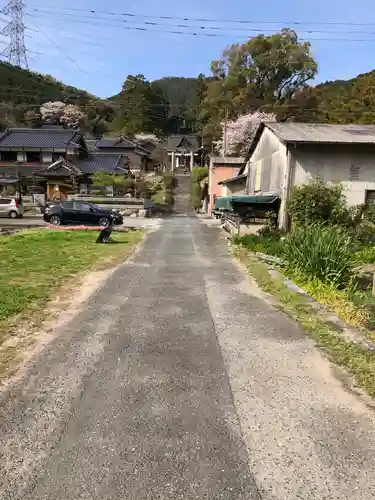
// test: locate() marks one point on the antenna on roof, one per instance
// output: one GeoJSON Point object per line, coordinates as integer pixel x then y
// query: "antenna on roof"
{"type": "Point", "coordinates": [15, 29]}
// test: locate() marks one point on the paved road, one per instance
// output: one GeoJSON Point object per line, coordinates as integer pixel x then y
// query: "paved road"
{"type": "Point", "coordinates": [178, 381]}
{"type": "Point", "coordinates": [28, 221]}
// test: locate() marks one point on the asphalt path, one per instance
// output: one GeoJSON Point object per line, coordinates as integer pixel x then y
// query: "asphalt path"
{"type": "Point", "coordinates": [177, 380]}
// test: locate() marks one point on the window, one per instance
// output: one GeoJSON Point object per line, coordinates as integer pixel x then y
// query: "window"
{"type": "Point", "coordinates": [33, 157]}
{"type": "Point", "coordinates": [4, 201]}
{"type": "Point", "coordinates": [81, 206]}
{"type": "Point", "coordinates": [57, 156]}
{"type": "Point", "coordinates": [370, 197]}
{"type": "Point", "coordinates": [9, 156]}
{"type": "Point", "coordinates": [68, 205]}
{"type": "Point", "coordinates": [354, 172]}
{"type": "Point", "coordinates": [258, 176]}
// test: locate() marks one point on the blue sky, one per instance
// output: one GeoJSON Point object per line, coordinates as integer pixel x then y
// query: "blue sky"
{"type": "Point", "coordinates": [87, 52]}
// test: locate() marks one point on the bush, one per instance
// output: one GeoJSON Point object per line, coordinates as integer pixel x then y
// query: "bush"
{"type": "Point", "coordinates": [169, 199]}
{"type": "Point", "coordinates": [366, 255]}
{"type": "Point", "coordinates": [318, 202]}
{"type": "Point", "coordinates": [256, 243]}
{"type": "Point", "coordinates": [169, 181]}
{"type": "Point", "coordinates": [364, 232]}
{"type": "Point", "coordinates": [322, 252]}
{"type": "Point", "coordinates": [198, 174]}
{"type": "Point", "coordinates": [369, 213]}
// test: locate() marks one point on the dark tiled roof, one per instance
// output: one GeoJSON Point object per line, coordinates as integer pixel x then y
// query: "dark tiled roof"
{"type": "Point", "coordinates": [91, 145]}
{"type": "Point", "coordinates": [34, 171]}
{"type": "Point", "coordinates": [95, 163]}
{"type": "Point", "coordinates": [175, 142]}
{"type": "Point", "coordinates": [101, 163]}
{"type": "Point", "coordinates": [23, 170]}
{"type": "Point", "coordinates": [39, 138]}
{"type": "Point", "coordinates": [121, 142]}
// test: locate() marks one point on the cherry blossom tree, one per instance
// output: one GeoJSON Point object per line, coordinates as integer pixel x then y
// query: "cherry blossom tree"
{"type": "Point", "coordinates": [240, 132]}
{"type": "Point", "coordinates": [52, 112]}
{"type": "Point", "coordinates": [147, 138]}
{"type": "Point", "coordinates": [58, 113]}
{"type": "Point", "coordinates": [72, 117]}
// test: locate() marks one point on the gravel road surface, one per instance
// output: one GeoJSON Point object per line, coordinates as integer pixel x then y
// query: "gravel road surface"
{"type": "Point", "coordinates": [177, 380]}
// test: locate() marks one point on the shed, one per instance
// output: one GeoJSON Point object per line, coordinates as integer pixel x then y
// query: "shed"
{"type": "Point", "coordinates": [284, 155]}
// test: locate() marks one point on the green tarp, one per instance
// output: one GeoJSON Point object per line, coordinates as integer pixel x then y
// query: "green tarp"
{"type": "Point", "coordinates": [227, 202]}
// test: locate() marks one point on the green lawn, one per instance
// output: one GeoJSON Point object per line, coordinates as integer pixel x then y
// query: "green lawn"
{"type": "Point", "coordinates": [34, 263]}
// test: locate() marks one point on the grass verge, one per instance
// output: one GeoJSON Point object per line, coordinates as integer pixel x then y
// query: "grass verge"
{"type": "Point", "coordinates": [353, 357]}
{"type": "Point", "coordinates": [34, 264]}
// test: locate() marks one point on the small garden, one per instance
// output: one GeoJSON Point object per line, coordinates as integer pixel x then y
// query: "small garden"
{"type": "Point", "coordinates": [330, 252]}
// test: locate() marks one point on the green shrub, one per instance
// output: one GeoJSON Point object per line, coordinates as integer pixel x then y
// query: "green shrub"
{"type": "Point", "coordinates": [199, 173]}
{"type": "Point", "coordinates": [257, 243]}
{"type": "Point", "coordinates": [322, 252]}
{"type": "Point", "coordinates": [318, 202]}
{"type": "Point", "coordinates": [169, 181]}
{"type": "Point", "coordinates": [366, 255]}
{"type": "Point", "coordinates": [369, 213]}
{"type": "Point", "coordinates": [169, 199]}
{"type": "Point", "coordinates": [364, 232]}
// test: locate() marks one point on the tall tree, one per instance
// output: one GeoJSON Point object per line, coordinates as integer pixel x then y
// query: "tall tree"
{"type": "Point", "coordinates": [265, 73]}
{"type": "Point", "coordinates": [142, 107]}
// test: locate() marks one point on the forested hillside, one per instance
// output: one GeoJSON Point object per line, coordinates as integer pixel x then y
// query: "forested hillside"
{"type": "Point", "coordinates": [348, 101]}
{"type": "Point", "coordinates": [187, 105]}
{"type": "Point", "coordinates": [22, 92]}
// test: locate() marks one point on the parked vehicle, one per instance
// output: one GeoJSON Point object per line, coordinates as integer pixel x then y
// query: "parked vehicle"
{"type": "Point", "coordinates": [11, 207]}
{"type": "Point", "coordinates": [80, 212]}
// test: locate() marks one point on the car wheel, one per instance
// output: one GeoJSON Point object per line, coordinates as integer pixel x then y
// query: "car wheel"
{"type": "Point", "coordinates": [13, 214]}
{"type": "Point", "coordinates": [104, 221]}
{"type": "Point", "coordinates": [55, 220]}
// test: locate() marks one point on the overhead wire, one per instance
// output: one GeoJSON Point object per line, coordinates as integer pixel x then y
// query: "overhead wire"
{"type": "Point", "coordinates": [216, 28]}
{"type": "Point", "coordinates": [68, 56]}
{"type": "Point", "coordinates": [202, 30]}
{"type": "Point", "coordinates": [209, 20]}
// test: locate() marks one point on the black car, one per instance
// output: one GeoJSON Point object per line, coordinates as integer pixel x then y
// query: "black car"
{"type": "Point", "coordinates": [80, 212]}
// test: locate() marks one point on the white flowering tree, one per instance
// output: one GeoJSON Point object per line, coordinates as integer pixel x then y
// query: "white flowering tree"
{"type": "Point", "coordinates": [58, 113]}
{"type": "Point", "coordinates": [147, 138]}
{"type": "Point", "coordinates": [72, 117]}
{"type": "Point", "coordinates": [52, 112]}
{"type": "Point", "coordinates": [240, 132]}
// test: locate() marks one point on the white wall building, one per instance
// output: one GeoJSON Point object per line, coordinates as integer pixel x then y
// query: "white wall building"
{"type": "Point", "coordinates": [284, 155]}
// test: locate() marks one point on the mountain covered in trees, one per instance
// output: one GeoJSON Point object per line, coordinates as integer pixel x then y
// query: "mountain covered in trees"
{"type": "Point", "coordinates": [22, 92]}
{"type": "Point", "coordinates": [267, 74]}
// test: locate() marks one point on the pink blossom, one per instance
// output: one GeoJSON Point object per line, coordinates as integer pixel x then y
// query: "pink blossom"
{"type": "Point", "coordinates": [240, 132]}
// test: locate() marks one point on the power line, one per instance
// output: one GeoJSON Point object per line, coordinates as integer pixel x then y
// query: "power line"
{"type": "Point", "coordinates": [214, 35]}
{"type": "Point", "coordinates": [15, 29]}
{"type": "Point", "coordinates": [208, 20]}
{"type": "Point", "coordinates": [215, 28]}
{"type": "Point", "coordinates": [58, 47]}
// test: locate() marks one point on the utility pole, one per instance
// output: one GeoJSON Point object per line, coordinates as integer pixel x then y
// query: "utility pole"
{"type": "Point", "coordinates": [225, 141]}
{"type": "Point", "coordinates": [15, 52]}
{"type": "Point", "coordinates": [202, 150]}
